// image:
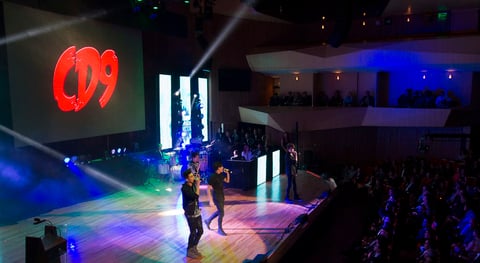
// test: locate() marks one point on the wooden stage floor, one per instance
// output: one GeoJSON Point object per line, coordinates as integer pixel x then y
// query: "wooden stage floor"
{"type": "Point", "coordinates": [146, 224]}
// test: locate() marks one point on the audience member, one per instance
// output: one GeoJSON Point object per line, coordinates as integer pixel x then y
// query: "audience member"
{"type": "Point", "coordinates": [246, 153]}
{"type": "Point", "coordinates": [236, 156]}
{"type": "Point", "coordinates": [406, 99]}
{"type": "Point", "coordinates": [275, 100]}
{"type": "Point", "coordinates": [368, 100]}
{"type": "Point", "coordinates": [349, 99]}
{"type": "Point", "coordinates": [336, 100]}
{"type": "Point", "coordinates": [259, 151]}
{"type": "Point", "coordinates": [442, 100]}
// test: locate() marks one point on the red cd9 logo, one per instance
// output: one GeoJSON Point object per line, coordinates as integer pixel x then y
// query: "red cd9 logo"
{"type": "Point", "coordinates": [103, 68]}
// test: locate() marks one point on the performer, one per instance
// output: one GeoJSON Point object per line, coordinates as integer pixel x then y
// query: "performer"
{"type": "Point", "coordinates": [190, 194]}
{"type": "Point", "coordinates": [194, 164]}
{"type": "Point", "coordinates": [291, 160]}
{"type": "Point", "coordinates": [215, 184]}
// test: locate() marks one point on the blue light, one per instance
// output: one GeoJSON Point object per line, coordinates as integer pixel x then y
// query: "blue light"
{"type": "Point", "coordinates": [66, 160]}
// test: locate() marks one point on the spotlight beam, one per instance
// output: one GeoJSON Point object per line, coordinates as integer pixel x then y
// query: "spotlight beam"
{"type": "Point", "coordinates": [221, 37]}
{"type": "Point", "coordinates": [88, 170]}
{"type": "Point", "coordinates": [33, 143]}
{"type": "Point", "coordinates": [45, 29]}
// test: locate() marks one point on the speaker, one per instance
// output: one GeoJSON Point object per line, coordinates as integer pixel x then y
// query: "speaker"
{"type": "Point", "coordinates": [47, 249]}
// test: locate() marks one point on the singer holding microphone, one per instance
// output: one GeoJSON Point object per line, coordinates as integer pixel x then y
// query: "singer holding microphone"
{"type": "Point", "coordinates": [190, 194]}
{"type": "Point", "coordinates": [291, 161]}
{"type": "Point", "coordinates": [215, 185]}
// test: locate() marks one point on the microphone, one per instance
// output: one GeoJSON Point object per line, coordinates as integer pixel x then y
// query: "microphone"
{"type": "Point", "coordinates": [227, 170]}
{"type": "Point", "coordinates": [38, 220]}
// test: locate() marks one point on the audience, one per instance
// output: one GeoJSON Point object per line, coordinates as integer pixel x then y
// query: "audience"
{"type": "Point", "coordinates": [424, 212]}
{"type": "Point", "coordinates": [236, 156]}
{"type": "Point", "coordinates": [427, 99]}
{"type": "Point", "coordinates": [291, 99]}
{"type": "Point", "coordinates": [237, 141]}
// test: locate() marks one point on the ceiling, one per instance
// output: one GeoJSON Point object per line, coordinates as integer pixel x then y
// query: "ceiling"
{"type": "Point", "coordinates": [399, 7]}
{"type": "Point", "coordinates": [309, 11]}
{"type": "Point", "coordinates": [293, 11]}
{"type": "Point", "coordinates": [304, 11]}
{"type": "Point", "coordinates": [454, 54]}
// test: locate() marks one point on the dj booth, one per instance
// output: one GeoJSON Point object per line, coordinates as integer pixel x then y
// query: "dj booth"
{"type": "Point", "coordinates": [248, 175]}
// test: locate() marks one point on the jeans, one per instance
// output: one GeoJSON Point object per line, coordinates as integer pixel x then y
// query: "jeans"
{"type": "Point", "coordinates": [196, 230]}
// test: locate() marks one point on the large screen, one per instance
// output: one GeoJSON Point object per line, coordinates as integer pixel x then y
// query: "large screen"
{"type": "Point", "coordinates": [261, 169]}
{"type": "Point", "coordinates": [275, 163]}
{"type": "Point", "coordinates": [72, 77]}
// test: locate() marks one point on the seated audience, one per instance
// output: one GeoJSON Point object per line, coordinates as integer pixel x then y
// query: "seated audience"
{"type": "Point", "coordinates": [236, 156]}
{"type": "Point", "coordinates": [336, 100]}
{"type": "Point", "coordinates": [368, 100]}
{"type": "Point", "coordinates": [442, 101]}
{"type": "Point", "coordinates": [246, 153]}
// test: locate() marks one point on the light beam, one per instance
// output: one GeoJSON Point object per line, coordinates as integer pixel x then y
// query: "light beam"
{"type": "Point", "coordinates": [221, 37]}
{"type": "Point", "coordinates": [49, 28]}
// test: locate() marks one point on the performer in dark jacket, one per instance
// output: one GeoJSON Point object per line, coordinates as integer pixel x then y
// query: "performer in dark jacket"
{"type": "Point", "coordinates": [291, 159]}
{"type": "Point", "coordinates": [190, 194]}
{"type": "Point", "coordinates": [215, 184]}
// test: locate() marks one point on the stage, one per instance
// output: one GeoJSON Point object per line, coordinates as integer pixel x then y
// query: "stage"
{"type": "Point", "coordinates": [146, 224]}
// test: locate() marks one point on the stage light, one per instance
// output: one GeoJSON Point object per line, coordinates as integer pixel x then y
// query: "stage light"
{"type": "Point", "coordinates": [119, 150]}
{"type": "Point", "coordinates": [66, 160]}
{"type": "Point", "coordinates": [221, 37]}
{"type": "Point", "coordinates": [113, 151]}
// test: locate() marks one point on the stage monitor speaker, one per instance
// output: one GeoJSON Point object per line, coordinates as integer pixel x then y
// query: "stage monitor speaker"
{"type": "Point", "coordinates": [47, 249]}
